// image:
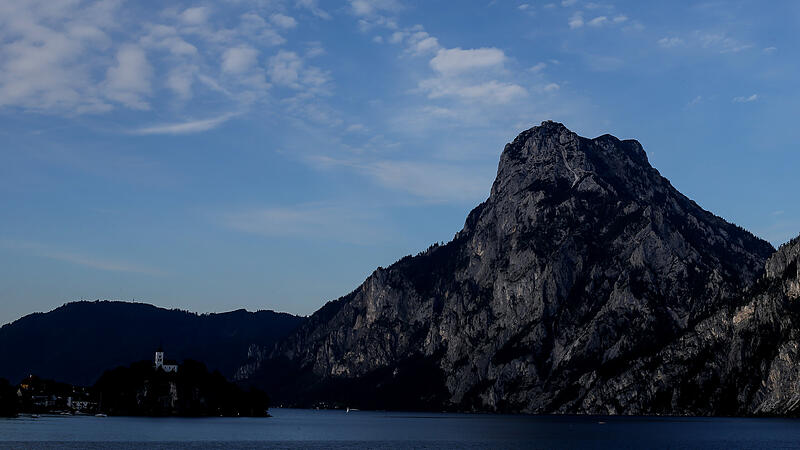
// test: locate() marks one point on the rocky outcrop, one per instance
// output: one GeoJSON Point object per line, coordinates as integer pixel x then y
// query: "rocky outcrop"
{"type": "Point", "coordinates": [743, 360]}
{"type": "Point", "coordinates": [560, 294]}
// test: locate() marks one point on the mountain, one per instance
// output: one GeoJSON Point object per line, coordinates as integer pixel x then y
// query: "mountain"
{"type": "Point", "coordinates": [582, 265]}
{"type": "Point", "coordinates": [77, 342]}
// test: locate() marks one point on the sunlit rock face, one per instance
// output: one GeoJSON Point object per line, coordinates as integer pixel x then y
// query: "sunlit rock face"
{"type": "Point", "coordinates": [566, 289]}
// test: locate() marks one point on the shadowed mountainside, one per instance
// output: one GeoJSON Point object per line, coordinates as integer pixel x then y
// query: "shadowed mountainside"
{"type": "Point", "coordinates": [77, 342]}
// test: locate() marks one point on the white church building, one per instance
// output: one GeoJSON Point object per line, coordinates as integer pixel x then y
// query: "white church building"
{"type": "Point", "coordinates": [159, 363]}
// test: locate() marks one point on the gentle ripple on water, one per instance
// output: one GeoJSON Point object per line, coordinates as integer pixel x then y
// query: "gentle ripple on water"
{"type": "Point", "coordinates": [294, 429]}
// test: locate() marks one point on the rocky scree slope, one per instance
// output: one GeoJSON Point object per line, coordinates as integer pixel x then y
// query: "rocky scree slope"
{"type": "Point", "coordinates": [583, 261]}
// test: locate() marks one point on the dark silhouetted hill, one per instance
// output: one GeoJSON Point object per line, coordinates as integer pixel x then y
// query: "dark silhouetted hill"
{"type": "Point", "coordinates": [77, 342]}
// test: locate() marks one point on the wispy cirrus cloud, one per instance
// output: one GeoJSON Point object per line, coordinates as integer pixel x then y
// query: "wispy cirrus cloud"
{"type": "Point", "coordinates": [713, 41]}
{"type": "Point", "coordinates": [430, 182]}
{"type": "Point", "coordinates": [192, 126]}
{"type": "Point", "coordinates": [78, 258]}
{"type": "Point", "coordinates": [745, 98]}
{"type": "Point", "coordinates": [319, 220]}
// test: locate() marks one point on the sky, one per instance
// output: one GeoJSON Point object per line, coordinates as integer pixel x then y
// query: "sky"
{"type": "Point", "coordinates": [271, 154]}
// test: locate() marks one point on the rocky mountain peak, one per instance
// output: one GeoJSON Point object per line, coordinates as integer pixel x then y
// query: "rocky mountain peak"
{"type": "Point", "coordinates": [783, 266]}
{"type": "Point", "coordinates": [551, 154]}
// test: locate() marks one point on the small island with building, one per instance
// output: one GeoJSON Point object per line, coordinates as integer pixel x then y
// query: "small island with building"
{"type": "Point", "coordinates": [165, 388]}
{"type": "Point", "coordinates": [157, 388]}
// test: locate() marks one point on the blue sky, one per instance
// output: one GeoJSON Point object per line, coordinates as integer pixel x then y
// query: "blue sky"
{"type": "Point", "coordinates": [270, 154]}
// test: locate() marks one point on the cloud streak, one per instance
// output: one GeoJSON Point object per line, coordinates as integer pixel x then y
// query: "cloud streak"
{"type": "Point", "coordinates": [745, 99]}
{"type": "Point", "coordinates": [307, 221]}
{"type": "Point", "coordinates": [94, 262]}
{"type": "Point", "coordinates": [429, 181]}
{"type": "Point", "coordinates": [192, 126]}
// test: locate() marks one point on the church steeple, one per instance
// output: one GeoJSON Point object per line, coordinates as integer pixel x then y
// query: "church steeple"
{"type": "Point", "coordinates": [159, 359]}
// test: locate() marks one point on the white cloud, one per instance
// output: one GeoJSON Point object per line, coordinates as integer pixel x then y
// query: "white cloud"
{"type": "Point", "coordinates": [180, 80]}
{"type": "Point", "coordinates": [239, 59]}
{"type": "Point", "coordinates": [163, 37]}
{"type": "Point", "coordinates": [128, 82]}
{"type": "Point", "coordinates": [194, 126]}
{"type": "Point", "coordinates": [45, 55]}
{"type": "Point", "coordinates": [770, 50]}
{"type": "Point", "coordinates": [284, 68]}
{"type": "Point", "coordinates": [455, 60]}
{"type": "Point", "coordinates": [669, 42]}
{"type": "Point", "coordinates": [371, 7]}
{"type": "Point", "coordinates": [566, 3]}
{"type": "Point", "coordinates": [462, 74]}
{"type": "Point", "coordinates": [195, 16]}
{"type": "Point", "coordinates": [314, 8]}
{"type": "Point", "coordinates": [283, 21]}
{"type": "Point", "coordinates": [719, 42]}
{"type": "Point", "coordinates": [314, 49]}
{"type": "Point", "coordinates": [538, 67]}
{"type": "Point", "coordinates": [255, 27]}
{"type": "Point", "coordinates": [178, 46]}
{"type": "Point", "coordinates": [397, 37]}
{"type": "Point", "coordinates": [420, 42]}
{"type": "Point", "coordinates": [723, 43]}
{"type": "Point", "coordinates": [551, 87]}
{"type": "Point", "coordinates": [744, 99]}
{"type": "Point", "coordinates": [576, 20]}
{"type": "Point", "coordinates": [494, 92]}
{"type": "Point", "coordinates": [524, 7]}
{"type": "Point", "coordinates": [288, 69]}
{"type": "Point", "coordinates": [598, 21]}
{"type": "Point", "coordinates": [620, 18]}
{"type": "Point", "coordinates": [356, 128]}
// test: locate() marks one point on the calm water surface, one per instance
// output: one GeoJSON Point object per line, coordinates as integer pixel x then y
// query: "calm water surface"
{"type": "Point", "coordinates": [293, 428]}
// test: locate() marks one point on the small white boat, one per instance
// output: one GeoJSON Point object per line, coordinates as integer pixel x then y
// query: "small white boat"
{"type": "Point", "coordinates": [34, 416]}
{"type": "Point", "coordinates": [101, 415]}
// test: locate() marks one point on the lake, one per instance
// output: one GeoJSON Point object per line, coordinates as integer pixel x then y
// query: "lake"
{"type": "Point", "coordinates": [295, 428]}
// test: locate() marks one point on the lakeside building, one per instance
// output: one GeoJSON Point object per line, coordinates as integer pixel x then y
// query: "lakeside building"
{"type": "Point", "coordinates": [167, 366]}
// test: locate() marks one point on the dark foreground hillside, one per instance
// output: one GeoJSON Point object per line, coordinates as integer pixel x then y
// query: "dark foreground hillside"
{"type": "Point", "coordinates": [77, 342]}
{"type": "Point", "coordinates": [192, 391]}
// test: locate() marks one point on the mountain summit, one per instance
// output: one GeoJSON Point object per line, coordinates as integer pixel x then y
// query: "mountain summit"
{"type": "Point", "coordinates": [583, 262]}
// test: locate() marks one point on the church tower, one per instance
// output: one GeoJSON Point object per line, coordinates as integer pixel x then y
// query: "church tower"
{"type": "Point", "coordinates": [159, 358]}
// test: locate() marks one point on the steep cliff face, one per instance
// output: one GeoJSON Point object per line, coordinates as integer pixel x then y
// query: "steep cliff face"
{"type": "Point", "coordinates": [743, 360]}
{"type": "Point", "coordinates": [582, 263]}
